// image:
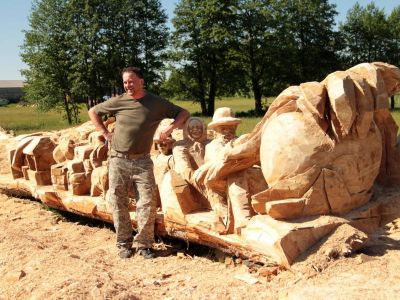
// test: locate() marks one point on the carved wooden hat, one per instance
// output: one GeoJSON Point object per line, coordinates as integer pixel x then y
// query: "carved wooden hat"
{"type": "Point", "coordinates": [224, 116]}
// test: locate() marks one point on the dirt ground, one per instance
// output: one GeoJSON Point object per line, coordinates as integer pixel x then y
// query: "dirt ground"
{"type": "Point", "coordinates": [49, 255]}
{"type": "Point", "coordinates": [45, 254]}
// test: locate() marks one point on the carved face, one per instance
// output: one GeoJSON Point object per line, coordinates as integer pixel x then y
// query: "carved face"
{"type": "Point", "coordinates": [195, 129]}
{"type": "Point", "coordinates": [228, 132]}
{"type": "Point", "coordinates": [165, 147]}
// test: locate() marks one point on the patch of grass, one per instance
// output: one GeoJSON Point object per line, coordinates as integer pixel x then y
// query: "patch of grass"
{"type": "Point", "coordinates": [243, 108]}
{"type": "Point", "coordinates": [240, 105]}
{"type": "Point", "coordinates": [26, 119]}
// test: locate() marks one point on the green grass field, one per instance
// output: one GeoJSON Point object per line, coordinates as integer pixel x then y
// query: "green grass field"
{"type": "Point", "coordinates": [25, 119]}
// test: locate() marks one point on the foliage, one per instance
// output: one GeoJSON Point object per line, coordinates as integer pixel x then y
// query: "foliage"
{"type": "Point", "coordinates": [366, 35]}
{"type": "Point", "coordinates": [203, 44]}
{"type": "Point", "coordinates": [260, 46]}
{"type": "Point", "coordinates": [394, 26]}
{"type": "Point", "coordinates": [75, 49]}
{"type": "Point", "coordinates": [307, 40]}
{"type": "Point", "coordinates": [49, 63]}
{"type": "Point", "coordinates": [25, 119]}
{"type": "Point", "coordinates": [256, 28]}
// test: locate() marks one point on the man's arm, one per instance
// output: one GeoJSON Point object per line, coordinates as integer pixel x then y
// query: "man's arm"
{"type": "Point", "coordinates": [98, 122]}
{"type": "Point", "coordinates": [180, 119]}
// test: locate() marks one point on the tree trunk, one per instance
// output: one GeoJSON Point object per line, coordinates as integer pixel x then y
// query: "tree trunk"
{"type": "Point", "coordinates": [392, 103]}
{"type": "Point", "coordinates": [257, 97]}
{"type": "Point", "coordinates": [211, 99]}
{"type": "Point", "coordinates": [212, 92]}
{"type": "Point", "coordinates": [73, 110]}
{"type": "Point", "coordinates": [67, 110]}
{"type": "Point", "coordinates": [202, 97]}
{"type": "Point", "coordinates": [254, 80]}
{"type": "Point", "coordinates": [210, 107]}
{"type": "Point", "coordinates": [203, 105]}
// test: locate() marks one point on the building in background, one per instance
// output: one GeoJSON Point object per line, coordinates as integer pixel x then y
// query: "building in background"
{"type": "Point", "coordinates": [11, 90]}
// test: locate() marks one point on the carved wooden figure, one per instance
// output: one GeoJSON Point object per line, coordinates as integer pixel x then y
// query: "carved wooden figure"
{"type": "Point", "coordinates": [188, 155]}
{"type": "Point", "coordinates": [231, 198]}
{"type": "Point", "coordinates": [162, 152]}
{"type": "Point", "coordinates": [181, 199]}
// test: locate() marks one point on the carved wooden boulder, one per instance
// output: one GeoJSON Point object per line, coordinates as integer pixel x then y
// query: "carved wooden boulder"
{"type": "Point", "coordinates": [324, 152]}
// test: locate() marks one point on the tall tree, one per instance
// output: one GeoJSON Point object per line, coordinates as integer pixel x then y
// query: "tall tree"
{"type": "Point", "coordinates": [77, 48]}
{"type": "Point", "coordinates": [366, 35]}
{"type": "Point", "coordinates": [45, 51]}
{"type": "Point", "coordinates": [86, 48]}
{"type": "Point", "coordinates": [113, 34]}
{"type": "Point", "coordinates": [256, 25]}
{"type": "Point", "coordinates": [307, 39]}
{"type": "Point", "coordinates": [394, 52]}
{"type": "Point", "coordinates": [203, 41]}
{"type": "Point", "coordinates": [153, 36]}
{"type": "Point", "coordinates": [394, 27]}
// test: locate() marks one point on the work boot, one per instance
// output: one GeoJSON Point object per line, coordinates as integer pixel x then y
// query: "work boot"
{"type": "Point", "coordinates": [147, 253]}
{"type": "Point", "coordinates": [125, 252]}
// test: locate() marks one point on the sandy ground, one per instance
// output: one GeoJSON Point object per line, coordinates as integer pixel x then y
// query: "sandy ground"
{"type": "Point", "coordinates": [49, 255]}
{"type": "Point", "coordinates": [45, 254]}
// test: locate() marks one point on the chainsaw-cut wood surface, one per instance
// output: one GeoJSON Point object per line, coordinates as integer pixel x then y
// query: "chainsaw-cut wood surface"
{"type": "Point", "coordinates": [325, 154]}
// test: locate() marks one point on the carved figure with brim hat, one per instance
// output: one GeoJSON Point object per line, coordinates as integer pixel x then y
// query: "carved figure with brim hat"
{"type": "Point", "coordinates": [223, 116]}
{"type": "Point", "coordinates": [227, 196]}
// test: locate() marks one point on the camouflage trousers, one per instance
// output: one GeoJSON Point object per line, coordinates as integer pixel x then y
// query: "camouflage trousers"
{"type": "Point", "coordinates": [135, 174]}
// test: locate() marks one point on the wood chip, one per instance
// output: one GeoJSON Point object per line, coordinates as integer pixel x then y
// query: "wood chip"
{"type": "Point", "coordinates": [248, 278]}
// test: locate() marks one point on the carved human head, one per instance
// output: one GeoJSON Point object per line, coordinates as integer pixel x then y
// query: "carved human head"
{"type": "Point", "coordinates": [224, 122]}
{"type": "Point", "coordinates": [165, 146]}
{"type": "Point", "coordinates": [195, 129]}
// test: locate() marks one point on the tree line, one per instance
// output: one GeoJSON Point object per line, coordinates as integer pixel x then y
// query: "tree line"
{"type": "Point", "coordinates": [75, 49]}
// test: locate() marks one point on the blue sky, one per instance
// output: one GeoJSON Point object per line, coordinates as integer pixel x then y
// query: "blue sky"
{"type": "Point", "coordinates": [14, 19]}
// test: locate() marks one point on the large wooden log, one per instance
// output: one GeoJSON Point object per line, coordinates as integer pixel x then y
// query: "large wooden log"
{"type": "Point", "coordinates": [265, 239]}
{"type": "Point", "coordinates": [321, 147]}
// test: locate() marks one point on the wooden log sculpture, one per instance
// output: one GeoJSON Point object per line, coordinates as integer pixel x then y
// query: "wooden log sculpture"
{"type": "Point", "coordinates": [325, 154]}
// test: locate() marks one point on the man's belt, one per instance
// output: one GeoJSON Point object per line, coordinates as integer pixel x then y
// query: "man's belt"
{"type": "Point", "coordinates": [129, 155]}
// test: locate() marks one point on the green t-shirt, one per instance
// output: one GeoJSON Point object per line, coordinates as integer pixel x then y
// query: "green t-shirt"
{"type": "Point", "coordinates": [136, 120]}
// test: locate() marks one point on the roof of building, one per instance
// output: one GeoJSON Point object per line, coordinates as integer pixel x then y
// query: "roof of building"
{"type": "Point", "coordinates": [11, 83]}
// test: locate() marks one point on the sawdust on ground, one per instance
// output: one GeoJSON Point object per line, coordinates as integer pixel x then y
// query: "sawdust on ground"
{"type": "Point", "coordinates": [49, 255]}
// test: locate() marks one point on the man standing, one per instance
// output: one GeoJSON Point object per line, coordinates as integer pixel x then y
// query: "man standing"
{"type": "Point", "coordinates": [138, 114]}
